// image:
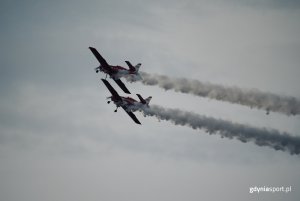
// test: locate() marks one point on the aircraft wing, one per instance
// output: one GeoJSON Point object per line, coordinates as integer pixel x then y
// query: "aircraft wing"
{"type": "Point", "coordinates": [122, 86]}
{"type": "Point", "coordinates": [111, 89]}
{"type": "Point", "coordinates": [101, 60]}
{"type": "Point", "coordinates": [133, 117]}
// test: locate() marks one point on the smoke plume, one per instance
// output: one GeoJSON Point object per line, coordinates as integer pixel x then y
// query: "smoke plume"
{"type": "Point", "coordinates": [260, 136]}
{"type": "Point", "coordinates": [252, 98]}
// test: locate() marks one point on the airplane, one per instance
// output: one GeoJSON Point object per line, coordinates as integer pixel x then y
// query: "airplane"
{"type": "Point", "coordinates": [128, 104]}
{"type": "Point", "coordinates": [116, 72]}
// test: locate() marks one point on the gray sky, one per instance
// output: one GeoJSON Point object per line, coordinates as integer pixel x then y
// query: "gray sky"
{"type": "Point", "coordinates": [59, 140]}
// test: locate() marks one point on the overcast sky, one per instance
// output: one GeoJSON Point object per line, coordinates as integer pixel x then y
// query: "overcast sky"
{"type": "Point", "coordinates": [59, 140]}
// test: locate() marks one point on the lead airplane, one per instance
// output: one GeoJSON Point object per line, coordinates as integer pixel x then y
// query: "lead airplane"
{"type": "Point", "coordinates": [116, 72]}
{"type": "Point", "coordinates": [128, 104]}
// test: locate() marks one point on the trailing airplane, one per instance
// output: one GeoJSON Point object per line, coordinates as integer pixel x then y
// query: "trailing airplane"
{"type": "Point", "coordinates": [128, 104]}
{"type": "Point", "coordinates": [116, 72]}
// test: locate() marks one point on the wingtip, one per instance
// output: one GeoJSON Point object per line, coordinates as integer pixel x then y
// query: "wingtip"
{"type": "Point", "coordinates": [105, 81]}
{"type": "Point", "coordinates": [126, 91]}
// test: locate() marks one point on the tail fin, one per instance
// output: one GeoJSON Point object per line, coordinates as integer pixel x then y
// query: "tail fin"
{"type": "Point", "coordinates": [137, 67]}
{"type": "Point", "coordinates": [148, 100]}
{"type": "Point", "coordinates": [133, 68]}
{"type": "Point", "coordinates": [144, 101]}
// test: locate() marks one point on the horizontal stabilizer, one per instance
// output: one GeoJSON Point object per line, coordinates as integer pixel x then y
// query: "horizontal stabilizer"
{"type": "Point", "coordinates": [141, 99]}
{"type": "Point", "coordinates": [131, 67]}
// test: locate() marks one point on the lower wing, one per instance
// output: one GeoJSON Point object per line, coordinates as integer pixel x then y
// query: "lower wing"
{"type": "Point", "coordinates": [122, 86]}
{"type": "Point", "coordinates": [133, 117]}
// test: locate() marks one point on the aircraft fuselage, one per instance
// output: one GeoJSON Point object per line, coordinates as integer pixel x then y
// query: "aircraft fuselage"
{"type": "Point", "coordinates": [127, 102]}
{"type": "Point", "coordinates": [117, 72]}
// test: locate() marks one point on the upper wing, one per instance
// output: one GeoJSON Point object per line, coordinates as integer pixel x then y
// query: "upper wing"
{"type": "Point", "coordinates": [122, 86]}
{"type": "Point", "coordinates": [102, 61]}
{"type": "Point", "coordinates": [133, 117]}
{"type": "Point", "coordinates": [111, 89]}
{"type": "Point", "coordinates": [131, 67]}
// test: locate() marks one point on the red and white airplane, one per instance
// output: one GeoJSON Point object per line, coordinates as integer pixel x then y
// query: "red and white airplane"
{"type": "Point", "coordinates": [116, 72]}
{"type": "Point", "coordinates": [128, 104]}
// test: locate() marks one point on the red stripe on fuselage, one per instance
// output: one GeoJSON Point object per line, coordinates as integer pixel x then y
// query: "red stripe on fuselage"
{"type": "Point", "coordinates": [118, 68]}
{"type": "Point", "coordinates": [129, 100]}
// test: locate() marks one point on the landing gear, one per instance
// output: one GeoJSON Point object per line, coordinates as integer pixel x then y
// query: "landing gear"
{"type": "Point", "coordinates": [116, 109]}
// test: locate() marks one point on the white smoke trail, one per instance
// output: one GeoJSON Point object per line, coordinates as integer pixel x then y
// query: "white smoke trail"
{"type": "Point", "coordinates": [253, 98]}
{"type": "Point", "coordinates": [260, 136]}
